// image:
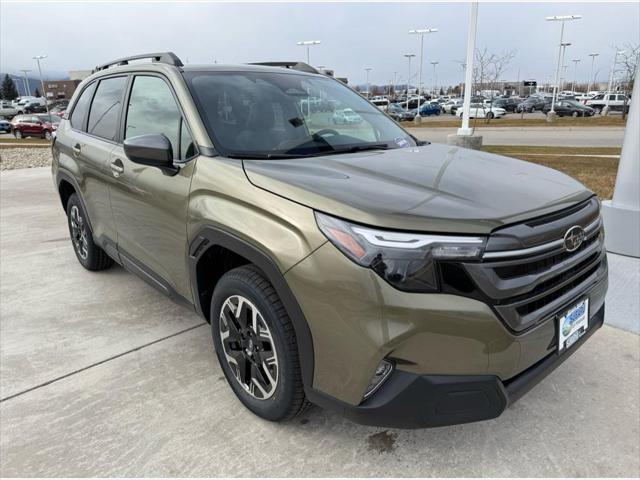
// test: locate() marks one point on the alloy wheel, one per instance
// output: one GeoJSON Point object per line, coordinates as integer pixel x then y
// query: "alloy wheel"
{"type": "Point", "coordinates": [249, 347]}
{"type": "Point", "coordinates": [79, 233]}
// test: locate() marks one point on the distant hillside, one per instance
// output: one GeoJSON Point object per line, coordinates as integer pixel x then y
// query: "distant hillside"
{"type": "Point", "coordinates": [34, 82]}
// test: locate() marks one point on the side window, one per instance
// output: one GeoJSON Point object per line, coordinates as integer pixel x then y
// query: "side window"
{"type": "Point", "coordinates": [152, 109]}
{"type": "Point", "coordinates": [105, 108]}
{"type": "Point", "coordinates": [82, 107]}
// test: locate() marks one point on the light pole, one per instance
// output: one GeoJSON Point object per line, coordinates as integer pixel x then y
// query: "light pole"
{"type": "Point", "coordinates": [409, 56]}
{"type": "Point", "coordinates": [37, 58]}
{"type": "Point", "coordinates": [562, 19]}
{"type": "Point", "coordinates": [395, 80]}
{"type": "Point", "coordinates": [464, 67]}
{"type": "Point", "coordinates": [464, 130]}
{"type": "Point", "coordinates": [308, 44]}
{"type": "Point", "coordinates": [593, 59]}
{"type": "Point", "coordinates": [368, 69]}
{"type": "Point", "coordinates": [605, 110]}
{"type": "Point", "coordinates": [435, 77]}
{"type": "Point", "coordinates": [575, 73]}
{"type": "Point", "coordinates": [563, 66]}
{"type": "Point", "coordinates": [25, 82]}
{"type": "Point", "coordinates": [422, 32]}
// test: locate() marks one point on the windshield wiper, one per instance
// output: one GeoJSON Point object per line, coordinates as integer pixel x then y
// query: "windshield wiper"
{"type": "Point", "coordinates": [265, 156]}
{"type": "Point", "coordinates": [359, 148]}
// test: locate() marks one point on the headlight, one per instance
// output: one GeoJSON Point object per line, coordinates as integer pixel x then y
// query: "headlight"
{"type": "Point", "coordinates": [406, 260]}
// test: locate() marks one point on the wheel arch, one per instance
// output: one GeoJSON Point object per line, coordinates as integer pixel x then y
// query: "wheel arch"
{"type": "Point", "coordinates": [208, 240]}
{"type": "Point", "coordinates": [67, 186]}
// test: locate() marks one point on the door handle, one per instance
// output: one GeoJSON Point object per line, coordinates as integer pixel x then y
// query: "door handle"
{"type": "Point", "coordinates": [76, 149]}
{"type": "Point", "coordinates": [117, 168]}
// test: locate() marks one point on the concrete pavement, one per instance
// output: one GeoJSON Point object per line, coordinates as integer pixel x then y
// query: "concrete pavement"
{"type": "Point", "coordinates": [102, 375]}
{"type": "Point", "coordinates": [558, 136]}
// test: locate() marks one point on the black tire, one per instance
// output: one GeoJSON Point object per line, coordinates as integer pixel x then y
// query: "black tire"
{"type": "Point", "coordinates": [287, 399]}
{"type": "Point", "coordinates": [18, 134]}
{"type": "Point", "coordinates": [490, 115]}
{"type": "Point", "coordinates": [90, 255]}
{"type": "Point", "coordinates": [575, 114]}
{"type": "Point", "coordinates": [46, 135]}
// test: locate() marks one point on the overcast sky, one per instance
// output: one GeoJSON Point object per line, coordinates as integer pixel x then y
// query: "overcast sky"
{"type": "Point", "coordinates": [353, 35]}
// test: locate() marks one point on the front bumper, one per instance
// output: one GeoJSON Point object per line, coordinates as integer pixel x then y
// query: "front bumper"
{"type": "Point", "coordinates": [408, 400]}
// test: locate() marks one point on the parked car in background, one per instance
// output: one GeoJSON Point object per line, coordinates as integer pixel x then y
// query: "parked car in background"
{"type": "Point", "coordinates": [531, 104]}
{"type": "Point", "coordinates": [381, 103]}
{"type": "Point", "coordinates": [479, 110]}
{"type": "Point", "coordinates": [429, 108]}
{"type": "Point", "coordinates": [399, 114]}
{"type": "Point", "coordinates": [570, 108]}
{"type": "Point", "coordinates": [35, 108]}
{"type": "Point", "coordinates": [616, 101]}
{"type": "Point", "coordinates": [58, 110]}
{"type": "Point", "coordinates": [508, 103]}
{"type": "Point", "coordinates": [346, 117]}
{"type": "Point", "coordinates": [452, 105]}
{"type": "Point", "coordinates": [5, 126]}
{"type": "Point", "coordinates": [7, 109]}
{"type": "Point", "coordinates": [41, 126]}
{"type": "Point", "coordinates": [29, 104]}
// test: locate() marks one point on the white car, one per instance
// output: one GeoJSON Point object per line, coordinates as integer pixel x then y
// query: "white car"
{"type": "Point", "coordinates": [452, 104]}
{"type": "Point", "coordinates": [7, 109]}
{"type": "Point", "coordinates": [346, 117]}
{"type": "Point", "coordinates": [479, 110]}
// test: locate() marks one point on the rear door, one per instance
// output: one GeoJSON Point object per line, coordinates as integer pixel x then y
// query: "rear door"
{"type": "Point", "coordinates": [85, 142]}
{"type": "Point", "coordinates": [150, 206]}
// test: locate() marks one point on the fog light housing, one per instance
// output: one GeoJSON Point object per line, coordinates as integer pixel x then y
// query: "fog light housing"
{"type": "Point", "coordinates": [383, 370]}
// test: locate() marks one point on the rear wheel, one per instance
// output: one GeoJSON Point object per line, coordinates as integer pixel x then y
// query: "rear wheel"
{"type": "Point", "coordinates": [575, 114]}
{"type": "Point", "coordinates": [490, 115]}
{"type": "Point", "coordinates": [256, 345]}
{"type": "Point", "coordinates": [18, 134]}
{"type": "Point", "coordinates": [90, 255]}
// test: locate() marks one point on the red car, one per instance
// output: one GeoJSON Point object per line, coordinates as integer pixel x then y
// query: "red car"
{"type": "Point", "coordinates": [41, 125]}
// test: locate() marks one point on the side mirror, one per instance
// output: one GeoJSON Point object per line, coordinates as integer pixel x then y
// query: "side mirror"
{"type": "Point", "coordinates": [152, 149]}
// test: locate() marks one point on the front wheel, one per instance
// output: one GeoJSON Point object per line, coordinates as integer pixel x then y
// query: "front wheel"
{"type": "Point", "coordinates": [18, 134]}
{"type": "Point", "coordinates": [490, 115]}
{"type": "Point", "coordinates": [47, 135]}
{"type": "Point", "coordinates": [256, 344]}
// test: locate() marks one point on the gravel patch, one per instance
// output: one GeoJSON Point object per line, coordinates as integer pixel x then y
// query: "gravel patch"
{"type": "Point", "coordinates": [14, 158]}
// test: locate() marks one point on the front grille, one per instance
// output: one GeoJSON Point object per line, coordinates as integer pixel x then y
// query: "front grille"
{"type": "Point", "coordinates": [526, 286]}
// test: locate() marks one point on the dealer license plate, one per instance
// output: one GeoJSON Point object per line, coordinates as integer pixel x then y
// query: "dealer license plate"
{"type": "Point", "coordinates": [573, 325]}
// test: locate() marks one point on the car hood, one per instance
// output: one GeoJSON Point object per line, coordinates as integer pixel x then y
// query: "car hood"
{"type": "Point", "coordinates": [434, 187]}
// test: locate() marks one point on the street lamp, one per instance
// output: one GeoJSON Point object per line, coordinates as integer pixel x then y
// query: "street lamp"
{"type": "Point", "coordinates": [422, 32]}
{"type": "Point", "coordinates": [409, 56]}
{"type": "Point", "coordinates": [37, 58]}
{"type": "Point", "coordinates": [368, 69]}
{"type": "Point", "coordinates": [435, 78]}
{"type": "Point", "coordinates": [575, 73]}
{"type": "Point", "coordinates": [464, 67]}
{"type": "Point", "coordinates": [593, 59]}
{"type": "Point", "coordinates": [605, 110]}
{"type": "Point", "coordinates": [563, 75]}
{"type": "Point", "coordinates": [25, 82]}
{"type": "Point", "coordinates": [308, 44]}
{"type": "Point", "coordinates": [562, 19]}
{"type": "Point", "coordinates": [395, 79]}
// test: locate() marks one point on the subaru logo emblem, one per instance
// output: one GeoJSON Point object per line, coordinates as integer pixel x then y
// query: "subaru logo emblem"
{"type": "Point", "coordinates": [574, 238]}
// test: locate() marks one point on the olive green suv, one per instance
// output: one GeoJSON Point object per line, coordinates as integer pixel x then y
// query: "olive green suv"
{"type": "Point", "coordinates": [342, 263]}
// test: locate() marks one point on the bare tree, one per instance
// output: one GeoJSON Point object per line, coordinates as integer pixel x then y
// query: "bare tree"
{"type": "Point", "coordinates": [488, 68]}
{"type": "Point", "coordinates": [628, 61]}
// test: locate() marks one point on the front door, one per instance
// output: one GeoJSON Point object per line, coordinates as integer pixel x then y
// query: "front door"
{"type": "Point", "coordinates": [150, 206]}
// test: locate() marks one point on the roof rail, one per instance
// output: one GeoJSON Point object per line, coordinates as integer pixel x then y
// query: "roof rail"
{"type": "Point", "coordinates": [301, 66]}
{"type": "Point", "coordinates": [169, 58]}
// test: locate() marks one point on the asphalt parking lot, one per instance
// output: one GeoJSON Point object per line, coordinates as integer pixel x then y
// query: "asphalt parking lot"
{"type": "Point", "coordinates": [100, 375]}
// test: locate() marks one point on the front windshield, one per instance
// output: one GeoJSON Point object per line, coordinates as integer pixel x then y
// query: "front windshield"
{"type": "Point", "coordinates": [262, 114]}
